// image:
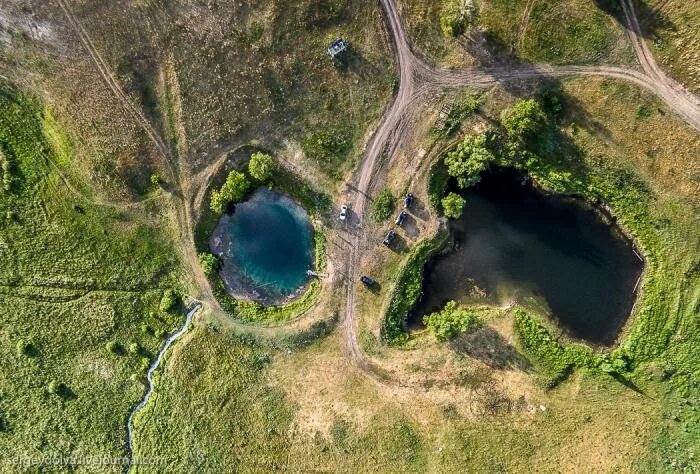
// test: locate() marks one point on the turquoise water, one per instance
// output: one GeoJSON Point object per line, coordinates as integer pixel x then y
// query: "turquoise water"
{"type": "Point", "coordinates": [266, 248]}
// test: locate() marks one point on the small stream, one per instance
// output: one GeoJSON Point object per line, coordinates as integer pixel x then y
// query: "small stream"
{"type": "Point", "coordinates": [149, 376]}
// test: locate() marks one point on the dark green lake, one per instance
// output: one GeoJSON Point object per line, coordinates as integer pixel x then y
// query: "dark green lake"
{"type": "Point", "coordinates": [553, 253]}
{"type": "Point", "coordinates": [266, 248]}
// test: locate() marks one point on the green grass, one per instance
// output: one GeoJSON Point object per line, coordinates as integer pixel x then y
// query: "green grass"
{"type": "Point", "coordinates": [252, 426]}
{"type": "Point", "coordinates": [74, 276]}
{"type": "Point", "coordinates": [568, 32]}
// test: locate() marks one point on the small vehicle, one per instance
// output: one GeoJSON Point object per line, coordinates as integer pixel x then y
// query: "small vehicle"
{"type": "Point", "coordinates": [408, 200]}
{"type": "Point", "coordinates": [343, 212]}
{"type": "Point", "coordinates": [401, 218]}
{"type": "Point", "coordinates": [390, 236]}
{"type": "Point", "coordinates": [368, 281]}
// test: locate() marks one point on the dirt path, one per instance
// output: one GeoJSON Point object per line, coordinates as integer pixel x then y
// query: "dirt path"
{"type": "Point", "coordinates": [417, 78]}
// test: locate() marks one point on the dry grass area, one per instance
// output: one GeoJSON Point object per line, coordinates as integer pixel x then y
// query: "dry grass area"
{"type": "Point", "coordinates": [673, 34]}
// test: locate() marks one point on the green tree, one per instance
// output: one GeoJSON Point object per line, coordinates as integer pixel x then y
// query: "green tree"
{"type": "Point", "coordinates": [155, 180]}
{"type": "Point", "coordinates": [55, 387]}
{"type": "Point", "coordinates": [468, 160]}
{"type": "Point", "coordinates": [261, 166]}
{"type": "Point", "coordinates": [523, 119]}
{"type": "Point", "coordinates": [233, 190]}
{"type": "Point", "coordinates": [168, 301]}
{"type": "Point", "coordinates": [209, 263]}
{"type": "Point", "coordinates": [383, 206]}
{"type": "Point", "coordinates": [451, 321]}
{"type": "Point", "coordinates": [452, 205]}
{"type": "Point", "coordinates": [134, 348]}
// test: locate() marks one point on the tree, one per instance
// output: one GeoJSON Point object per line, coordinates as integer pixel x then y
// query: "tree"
{"type": "Point", "coordinates": [451, 321]}
{"type": "Point", "coordinates": [523, 119]}
{"type": "Point", "coordinates": [233, 190]}
{"type": "Point", "coordinates": [56, 388]}
{"type": "Point", "coordinates": [452, 205]}
{"type": "Point", "coordinates": [468, 160]}
{"type": "Point", "coordinates": [209, 263]}
{"type": "Point", "coordinates": [167, 301]}
{"type": "Point", "coordinates": [383, 206]}
{"type": "Point", "coordinates": [261, 166]}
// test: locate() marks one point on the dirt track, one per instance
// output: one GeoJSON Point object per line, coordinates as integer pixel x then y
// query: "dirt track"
{"type": "Point", "coordinates": [416, 78]}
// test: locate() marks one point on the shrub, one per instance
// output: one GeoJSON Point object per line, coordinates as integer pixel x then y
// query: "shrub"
{"type": "Point", "coordinates": [209, 262]}
{"type": "Point", "coordinates": [327, 147]}
{"type": "Point", "coordinates": [134, 348]}
{"type": "Point", "coordinates": [261, 166]}
{"type": "Point", "coordinates": [452, 205]}
{"type": "Point", "coordinates": [55, 387]}
{"type": "Point", "coordinates": [468, 160]}
{"type": "Point", "coordinates": [460, 111]}
{"type": "Point", "coordinates": [233, 190]}
{"type": "Point", "coordinates": [25, 348]}
{"type": "Point", "coordinates": [112, 347]}
{"type": "Point", "coordinates": [383, 206]}
{"type": "Point", "coordinates": [524, 119]}
{"type": "Point", "coordinates": [168, 301]}
{"type": "Point", "coordinates": [451, 321]}
{"type": "Point", "coordinates": [455, 16]}
{"type": "Point", "coordinates": [155, 179]}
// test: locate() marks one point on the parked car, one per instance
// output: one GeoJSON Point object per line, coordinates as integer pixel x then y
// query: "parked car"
{"type": "Point", "coordinates": [390, 236]}
{"type": "Point", "coordinates": [401, 218]}
{"type": "Point", "coordinates": [368, 281]}
{"type": "Point", "coordinates": [343, 212]}
{"type": "Point", "coordinates": [408, 200]}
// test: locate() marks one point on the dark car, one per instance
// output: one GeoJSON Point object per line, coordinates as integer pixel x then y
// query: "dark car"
{"type": "Point", "coordinates": [408, 200]}
{"type": "Point", "coordinates": [390, 236]}
{"type": "Point", "coordinates": [401, 218]}
{"type": "Point", "coordinates": [367, 281]}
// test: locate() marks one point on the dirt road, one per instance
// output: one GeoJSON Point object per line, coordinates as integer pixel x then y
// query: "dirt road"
{"type": "Point", "coordinates": [416, 78]}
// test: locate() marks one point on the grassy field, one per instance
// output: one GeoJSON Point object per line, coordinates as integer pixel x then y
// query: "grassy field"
{"type": "Point", "coordinates": [672, 30]}
{"type": "Point", "coordinates": [555, 32]}
{"type": "Point", "coordinates": [75, 276]}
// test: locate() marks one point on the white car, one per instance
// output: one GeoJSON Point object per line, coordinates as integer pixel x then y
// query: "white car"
{"type": "Point", "coordinates": [343, 212]}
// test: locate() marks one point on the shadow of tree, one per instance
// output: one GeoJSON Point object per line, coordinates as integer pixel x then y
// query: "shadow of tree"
{"type": "Point", "coordinates": [489, 347]}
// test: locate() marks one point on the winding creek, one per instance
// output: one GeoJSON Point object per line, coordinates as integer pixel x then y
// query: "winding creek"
{"type": "Point", "coordinates": [196, 306]}
{"type": "Point", "coordinates": [555, 254]}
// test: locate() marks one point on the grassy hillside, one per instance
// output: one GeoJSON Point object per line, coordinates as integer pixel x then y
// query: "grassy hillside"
{"type": "Point", "coordinates": [75, 276]}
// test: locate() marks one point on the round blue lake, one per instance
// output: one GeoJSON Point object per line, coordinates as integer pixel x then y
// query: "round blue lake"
{"type": "Point", "coordinates": [265, 247]}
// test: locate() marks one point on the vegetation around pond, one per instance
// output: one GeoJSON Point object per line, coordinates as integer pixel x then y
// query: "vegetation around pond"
{"type": "Point", "coordinates": [451, 321]}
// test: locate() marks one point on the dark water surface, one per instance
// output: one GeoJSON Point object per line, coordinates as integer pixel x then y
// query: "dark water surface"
{"type": "Point", "coordinates": [266, 247]}
{"type": "Point", "coordinates": [516, 244]}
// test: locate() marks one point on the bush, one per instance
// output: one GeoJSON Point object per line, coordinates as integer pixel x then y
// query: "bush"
{"type": "Point", "coordinates": [112, 347]}
{"type": "Point", "coordinates": [455, 16]}
{"type": "Point", "coordinates": [209, 263]}
{"type": "Point", "coordinates": [55, 387]}
{"type": "Point", "coordinates": [460, 111]}
{"type": "Point", "coordinates": [452, 205]}
{"type": "Point", "coordinates": [383, 206]}
{"type": "Point", "coordinates": [168, 301]}
{"type": "Point", "coordinates": [261, 166]}
{"type": "Point", "coordinates": [25, 348]}
{"type": "Point", "coordinates": [155, 180]}
{"type": "Point", "coordinates": [328, 148]}
{"type": "Point", "coordinates": [524, 119]}
{"type": "Point", "coordinates": [468, 160]}
{"type": "Point", "coordinates": [451, 321]}
{"type": "Point", "coordinates": [233, 190]}
{"type": "Point", "coordinates": [134, 348]}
